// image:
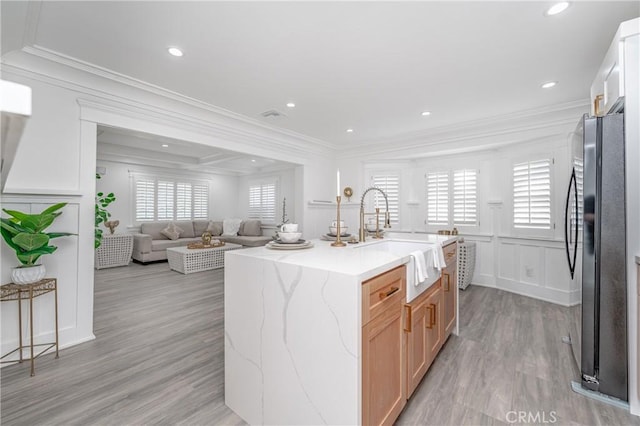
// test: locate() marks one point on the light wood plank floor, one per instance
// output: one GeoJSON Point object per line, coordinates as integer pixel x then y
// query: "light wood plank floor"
{"type": "Point", "coordinates": [158, 359]}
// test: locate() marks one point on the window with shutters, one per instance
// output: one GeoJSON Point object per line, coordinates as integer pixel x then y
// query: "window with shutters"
{"type": "Point", "coordinates": [465, 198]}
{"type": "Point", "coordinates": [164, 200]}
{"type": "Point", "coordinates": [200, 201]}
{"type": "Point", "coordinates": [145, 194]}
{"type": "Point", "coordinates": [184, 200]}
{"type": "Point", "coordinates": [170, 199]}
{"type": "Point", "coordinates": [437, 198]}
{"type": "Point", "coordinates": [532, 194]}
{"type": "Point", "coordinates": [452, 197]}
{"type": "Point", "coordinates": [262, 201]}
{"type": "Point", "coordinates": [390, 184]}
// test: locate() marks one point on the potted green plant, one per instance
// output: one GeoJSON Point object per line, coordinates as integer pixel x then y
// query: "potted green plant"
{"type": "Point", "coordinates": [102, 215]}
{"type": "Point", "coordinates": [24, 233]}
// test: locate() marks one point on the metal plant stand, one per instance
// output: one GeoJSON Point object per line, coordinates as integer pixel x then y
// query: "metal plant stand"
{"type": "Point", "coordinates": [20, 292]}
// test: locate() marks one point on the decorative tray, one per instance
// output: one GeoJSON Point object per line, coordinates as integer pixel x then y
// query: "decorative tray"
{"type": "Point", "coordinates": [204, 246]}
{"type": "Point", "coordinates": [274, 245]}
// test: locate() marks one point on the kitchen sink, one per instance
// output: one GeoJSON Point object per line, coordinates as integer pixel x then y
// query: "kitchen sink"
{"type": "Point", "coordinates": [405, 248]}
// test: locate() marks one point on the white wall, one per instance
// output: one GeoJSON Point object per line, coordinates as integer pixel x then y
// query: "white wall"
{"type": "Point", "coordinates": [223, 190]}
{"type": "Point", "coordinates": [47, 170]}
{"type": "Point", "coordinates": [56, 161]}
{"type": "Point", "coordinates": [524, 261]}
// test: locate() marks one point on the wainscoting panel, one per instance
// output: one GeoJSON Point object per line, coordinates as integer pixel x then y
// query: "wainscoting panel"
{"type": "Point", "coordinates": [535, 268]}
{"type": "Point", "coordinates": [509, 261]}
{"type": "Point", "coordinates": [62, 264]}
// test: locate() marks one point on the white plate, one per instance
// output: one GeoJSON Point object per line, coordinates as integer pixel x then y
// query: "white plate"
{"type": "Point", "coordinates": [276, 246]}
{"type": "Point", "coordinates": [300, 241]}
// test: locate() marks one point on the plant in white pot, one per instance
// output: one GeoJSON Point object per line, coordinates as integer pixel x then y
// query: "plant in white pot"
{"type": "Point", "coordinates": [24, 233]}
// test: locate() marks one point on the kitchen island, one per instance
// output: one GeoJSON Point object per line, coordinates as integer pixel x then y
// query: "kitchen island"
{"type": "Point", "coordinates": [294, 336]}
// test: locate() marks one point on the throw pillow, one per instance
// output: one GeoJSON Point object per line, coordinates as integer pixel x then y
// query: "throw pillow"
{"type": "Point", "coordinates": [230, 227]}
{"type": "Point", "coordinates": [215, 228]}
{"type": "Point", "coordinates": [172, 231]}
{"type": "Point", "coordinates": [251, 228]}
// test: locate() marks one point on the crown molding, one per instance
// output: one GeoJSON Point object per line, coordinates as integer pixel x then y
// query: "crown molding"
{"type": "Point", "coordinates": [186, 113]}
{"type": "Point", "coordinates": [66, 66]}
{"type": "Point", "coordinates": [490, 134]}
{"type": "Point", "coordinates": [515, 121]}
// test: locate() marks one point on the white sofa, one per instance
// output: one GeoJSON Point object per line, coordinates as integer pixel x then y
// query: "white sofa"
{"type": "Point", "coordinates": [150, 245]}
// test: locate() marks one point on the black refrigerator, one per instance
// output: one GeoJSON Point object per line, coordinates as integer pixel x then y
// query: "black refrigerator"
{"type": "Point", "coordinates": [595, 237]}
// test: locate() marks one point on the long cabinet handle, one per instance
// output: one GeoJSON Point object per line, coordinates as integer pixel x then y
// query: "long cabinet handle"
{"type": "Point", "coordinates": [431, 322]}
{"type": "Point", "coordinates": [447, 288]}
{"type": "Point", "coordinates": [408, 322]}
{"type": "Point", "coordinates": [384, 295]}
{"type": "Point", "coordinates": [433, 312]}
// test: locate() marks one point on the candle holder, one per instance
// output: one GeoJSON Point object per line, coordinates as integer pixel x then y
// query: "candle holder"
{"type": "Point", "coordinates": [338, 242]}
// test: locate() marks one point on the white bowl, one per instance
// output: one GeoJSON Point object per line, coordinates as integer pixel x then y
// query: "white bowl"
{"type": "Point", "coordinates": [333, 230]}
{"type": "Point", "coordinates": [371, 227]}
{"type": "Point", "coordinates": [289, 237]}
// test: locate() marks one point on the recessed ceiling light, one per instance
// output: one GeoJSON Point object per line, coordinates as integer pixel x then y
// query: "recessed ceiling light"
{"type": "Point", "coordinates": [175, 51]}
{"type": "Point", "coordinates": [549, 84]}
{"type": "Point", "coordinates": [291, 105]}
{"type": "Point", "coordinates": [164, 145]}
{"type": "Point", "coordinates": [349, 130]}
{"type": "Point", "coordinates": [425, 113]}
{"type": "Point", "coordinates": [253, 161]}
{"type": "Point", "coordinates": [557, 8]}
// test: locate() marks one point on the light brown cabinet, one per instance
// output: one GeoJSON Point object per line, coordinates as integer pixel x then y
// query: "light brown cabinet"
{"type": "Point", "coordinates": [450, 288]}
{"type": "Point", "coordinates": [434, 327]}
{"type": "Point", "coordinates": [383, 361]}
{"type": "Point", "coordinates": [400, 341]}
{"type": "Point", "coordinates": [423, 334]}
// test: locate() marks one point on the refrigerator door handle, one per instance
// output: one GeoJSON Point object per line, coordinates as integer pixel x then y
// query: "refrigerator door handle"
{"type": "Point", "coordinates": [571, 262]}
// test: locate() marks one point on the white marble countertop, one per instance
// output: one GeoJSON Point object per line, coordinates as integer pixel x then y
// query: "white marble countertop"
{"type": "Point", "coordinates": [348, 260]}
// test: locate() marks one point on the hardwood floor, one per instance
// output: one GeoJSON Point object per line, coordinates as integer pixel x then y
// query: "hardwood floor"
{"type": "Point", "coordinates": [158, 359]}
{"type": "Point", "coordinates": [508, 358]}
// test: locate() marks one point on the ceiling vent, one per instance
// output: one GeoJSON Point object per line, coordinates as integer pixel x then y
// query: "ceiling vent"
{"type": "Point", "coordinates": [272, 113]}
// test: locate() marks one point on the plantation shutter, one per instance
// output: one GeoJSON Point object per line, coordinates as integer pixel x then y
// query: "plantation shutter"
{"type": "Point", "coordinates": [145, 196]}
{"type": "Point", "coordinates": [532, 194]}
{"type": "Point", "coordinates": [438, 198]}
{"type": "Point", "coordinates": [262, 202]}
{"type": "Point", "coordinates": [164, 200]}
{"type": "Point", "coordinates": [465, 201]}
{"type": "Point", "coordinates": [255, 201]}
{"type": "Point", "coordinates": [183, 201]}
{"type": "Point", "coordinates": [200, 201]}
{"type": "Point", "coordinates": [390, 184]}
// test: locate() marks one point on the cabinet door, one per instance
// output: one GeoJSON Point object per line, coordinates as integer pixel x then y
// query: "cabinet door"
{"type": "Point", "coordinates": [449, 289]}
{"type": "Point", "coordinates": [434, 319]}
{"type": "Point", "coordinates": [417, 351]}
{"type": "Point", "coordinates": [383, 368]}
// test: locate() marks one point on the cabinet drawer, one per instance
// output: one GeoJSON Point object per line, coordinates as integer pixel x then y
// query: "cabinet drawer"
{"type": "Point", "coordinates": [450, 253]}
{"type": "Point", "coordinates": [382, 291]}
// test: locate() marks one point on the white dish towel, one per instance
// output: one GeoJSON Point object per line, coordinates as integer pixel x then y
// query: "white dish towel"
{"type": "Point", "coordinates": [421, 266]}
{"type": "Point", "coordinates": [438, 258]}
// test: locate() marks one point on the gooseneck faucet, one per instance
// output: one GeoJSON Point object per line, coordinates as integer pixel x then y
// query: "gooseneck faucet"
{"type": "Point", "coordinates": [387, 217]}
